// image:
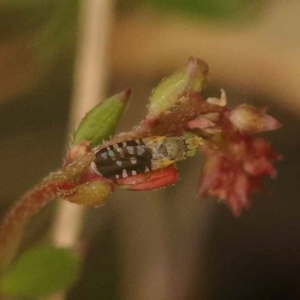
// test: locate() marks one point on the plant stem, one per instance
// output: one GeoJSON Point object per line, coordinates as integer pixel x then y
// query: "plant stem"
{"type": "Point", "coordinates": [15, 221]}
{"type": "Point", "coordinates": [55, 185]}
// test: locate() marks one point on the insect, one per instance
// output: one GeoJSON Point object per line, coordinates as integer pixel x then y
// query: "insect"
{"type": "Point", "coordinates": [129, 158]}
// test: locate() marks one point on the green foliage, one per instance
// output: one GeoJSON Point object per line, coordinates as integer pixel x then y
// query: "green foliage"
{"type": "Point", "coordinates": [40, 272]}
{"type": "Point", "coordinates": [20, 2]}
{"type": "Point", "coordinates": [100, 122]}
{"type": "Point", "coordinates": [59, 33]}
{"type": "Point", "coordinates": [229, 10]}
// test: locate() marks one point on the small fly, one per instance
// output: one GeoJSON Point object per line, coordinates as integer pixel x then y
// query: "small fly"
{"type": "Point", "coordinates": [129, 158]}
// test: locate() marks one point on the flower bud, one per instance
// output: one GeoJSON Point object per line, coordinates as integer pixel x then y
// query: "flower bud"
{"type": "Point", "coordinates": [248, 119]}
{"type": "Point", "coordinates": [175, 89]}
{"type": "Point", "coordinates": [91, 193]}
{"type": "Point", "coordinates": [100, 122]}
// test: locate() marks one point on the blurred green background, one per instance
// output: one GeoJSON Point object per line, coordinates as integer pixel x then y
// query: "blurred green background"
{"type": "Point", "coordinates": [164, 244]}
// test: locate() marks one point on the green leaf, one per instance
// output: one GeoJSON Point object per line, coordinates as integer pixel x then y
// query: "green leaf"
{"type": "Point", "coordinates": [40, 272]}
{"type": "Point", "coordinates": [176, 88]}
{"type": "Point", "coordinates": [100, 122]}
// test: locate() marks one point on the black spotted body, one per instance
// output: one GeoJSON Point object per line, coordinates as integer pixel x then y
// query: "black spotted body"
{"type": "Point", "coordinates": [123, 159]}
{"type": "Point", "coordinates": [129, 158]}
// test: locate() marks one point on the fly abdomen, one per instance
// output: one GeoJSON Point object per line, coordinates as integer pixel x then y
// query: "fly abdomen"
{"type": "Point", "coordinates": [123, 160]}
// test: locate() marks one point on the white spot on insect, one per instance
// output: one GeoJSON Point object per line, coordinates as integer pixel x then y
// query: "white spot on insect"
{"type": "Point", "coordinates": [133, 160]}
{"type": "Point", "coordinates": [140, 150]}
{"type": "Point", "coordinates": [147, 169]}
{"type": "Point", "coordinates": [133, 172]}
{"type": "Point", "coordinates": [121, 152]}
{"type": "Point", "coordinates": [124, 173]}
{"type": "Point", "coordinates": [130, 150]}
{"type": "Point", "coordinates": [119, 163]}
{"type": "Point", "coordinates": [104, 155]}
{"type": "Point", "coordinates": [117, 176]}
{"type": "Point", "coordinates": [94, 168]}
{"type": "Point", "coordinates": [124, 144]}
{"type": "Point", "coordinates": [111, 154]}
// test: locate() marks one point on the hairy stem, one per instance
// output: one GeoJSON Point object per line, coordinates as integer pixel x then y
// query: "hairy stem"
{"type": "Point", "coordinates": [20, 214]}
{"type": "Point", "coordinates": [53, 186]}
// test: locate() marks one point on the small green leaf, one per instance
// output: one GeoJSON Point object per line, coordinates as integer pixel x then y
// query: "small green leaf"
{"type": "Point", "coordinates": [176, 87]}
{"type": "Point", "coordinates": [40, 272]}
{"type": "Point", "coordinates": [100, 122]}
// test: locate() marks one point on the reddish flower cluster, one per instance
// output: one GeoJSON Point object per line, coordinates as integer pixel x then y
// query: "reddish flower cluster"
{"type": "Point", "coordinates": [233, 172]}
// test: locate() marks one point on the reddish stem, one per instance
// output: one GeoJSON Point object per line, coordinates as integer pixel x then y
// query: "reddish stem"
{"type": "Point", "coordinates": [53, 186]}
{"type": "Point", "coordinates": [21, 213]}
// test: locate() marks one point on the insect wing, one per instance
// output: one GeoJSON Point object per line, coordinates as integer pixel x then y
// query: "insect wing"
{"type": "Point", "coordinates": [123, 160]}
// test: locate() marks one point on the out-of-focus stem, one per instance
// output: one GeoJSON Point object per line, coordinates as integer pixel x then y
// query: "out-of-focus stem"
{"type": "Point", "coordinates": [89, 84]}
{"type": "Point", "coordinates": [95, 17]}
